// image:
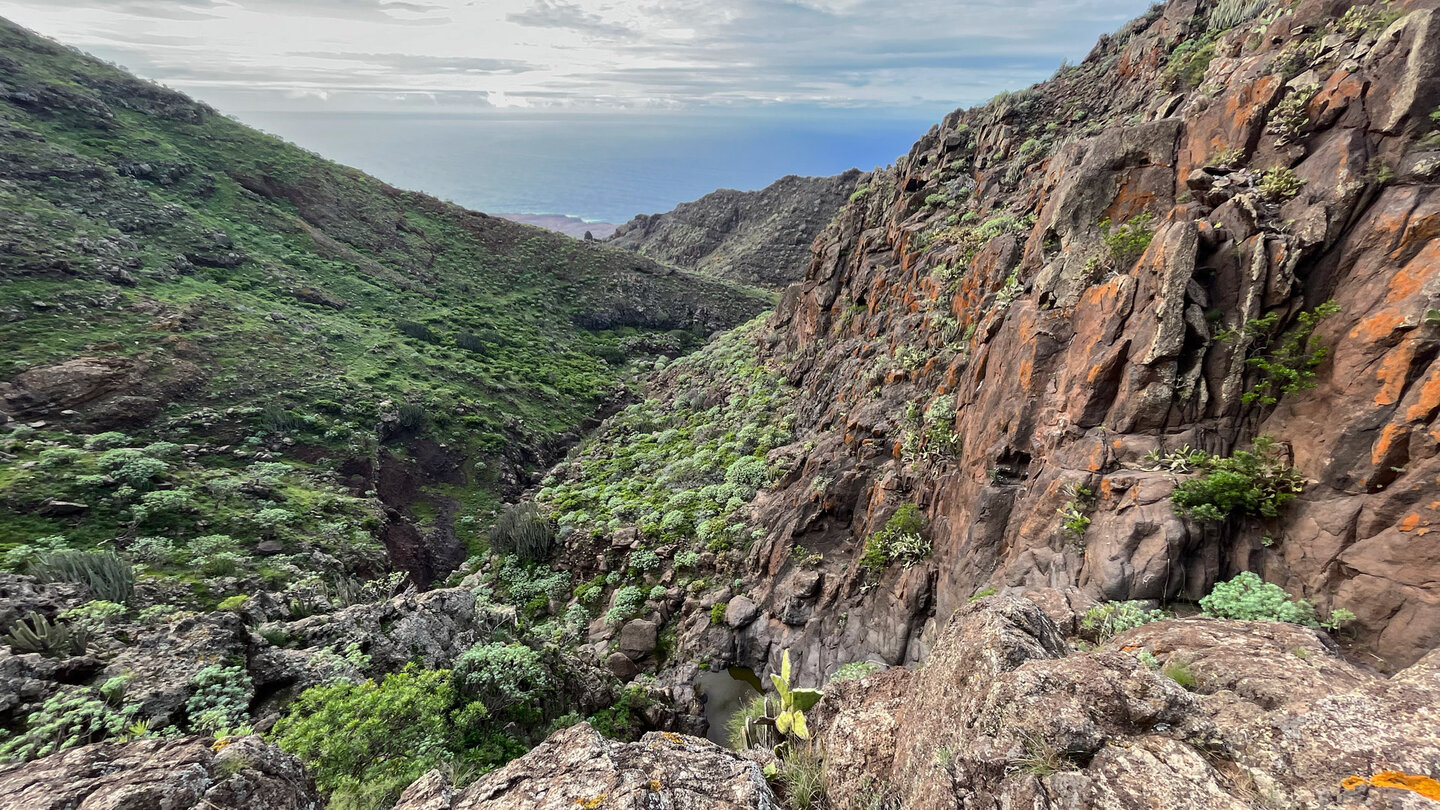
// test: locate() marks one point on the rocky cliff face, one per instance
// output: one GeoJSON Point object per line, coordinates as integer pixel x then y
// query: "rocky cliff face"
{"type": "Point", "coordinates": [756, 237]}
{"type": "Point", "coordinates": [1219, 226]}
{"type": "Point", "coordinates": [1191, 713]}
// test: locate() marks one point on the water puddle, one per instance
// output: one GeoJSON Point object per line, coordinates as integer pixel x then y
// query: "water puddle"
{"type": "Point", "coordinates": [724, 695]}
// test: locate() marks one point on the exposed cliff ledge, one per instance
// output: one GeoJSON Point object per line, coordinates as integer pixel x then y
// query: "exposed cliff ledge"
{"type": "Point", "coordinates": [756, 237]}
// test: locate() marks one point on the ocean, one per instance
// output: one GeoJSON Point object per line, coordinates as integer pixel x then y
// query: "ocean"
{"type": "Point", "coordinates": [598, 167]}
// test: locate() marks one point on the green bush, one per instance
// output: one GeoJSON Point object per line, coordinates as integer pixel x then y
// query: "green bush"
{"type": "Point", "coordinates": [525, 531]}
{"type": "Point", "coordinates": [503, 677]}
{"type": "Point", "coordinates": [627, 603]}
{"type": "Point", "coordinates": [68, 719]}
{"type": "Point", "coordinates": [94, 617]}
{"type": "Point", "coordinates": [1289, 366]}
{"type": "Point", "coordinates": [1188, 63]}
{"type": "Point", "coordinates": [366, 742]}
{"type": "Point", "coordinates": [1249, 598]}
{"type": "Point", "coordinates": [717, 613]}
{"type": "Point", "coordinates": [1129, 241]}
{"type": "Point", "coordinates": [1109, 619]}
{"type": "Point", "coordinates": [1254, 482]}
{"type": "Point", "coordinates": [1280, 183]}
{"type": "Point", "coordinates": [220, 699]}
{"type": "Point", "coordinates": [855, 670]}
{"type": "Point", "coordinates": [902, 540]}
{"type": "Point", "coordinates": [131, 467]}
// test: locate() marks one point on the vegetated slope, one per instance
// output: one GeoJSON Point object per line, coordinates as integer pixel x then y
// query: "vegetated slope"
{"type": "Point", "coordinates": [399, 362]}
{"type": "Point", "coordinates": [756, 237]}
{"type": "Point", "coordinates": [1038, 350]}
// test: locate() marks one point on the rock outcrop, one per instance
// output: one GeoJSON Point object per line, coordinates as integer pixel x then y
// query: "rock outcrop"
{"type": "Point", "coordinates": [1018, 324]}
{"type": "Point", "coordinates": [578, 767]}
{"type": "Point", "coordinates": [176, 774]}
{"type": "Point", "coordinates": [757, 237]}
{"type": "Point", "coordinates": [1004, 715]}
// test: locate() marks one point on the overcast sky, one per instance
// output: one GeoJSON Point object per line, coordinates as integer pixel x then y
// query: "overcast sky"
{"type": "Point", "coordinates": [377, 55]}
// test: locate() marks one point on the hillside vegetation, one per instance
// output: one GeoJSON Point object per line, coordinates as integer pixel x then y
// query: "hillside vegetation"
{"type": "Point", "coordinates": [227, 299]}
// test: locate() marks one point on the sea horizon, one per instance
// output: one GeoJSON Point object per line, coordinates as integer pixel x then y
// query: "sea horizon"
{"type": "Point", "coordinates": [596, 167]}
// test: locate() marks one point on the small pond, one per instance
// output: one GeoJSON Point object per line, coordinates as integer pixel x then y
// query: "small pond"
{"type": "Point", "coordinates": [724, 694]}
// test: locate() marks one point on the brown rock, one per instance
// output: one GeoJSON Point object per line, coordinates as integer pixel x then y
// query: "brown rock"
{"type": "Point", "coordinates": [179, 773]}
{"type": "Point", "coordinates": [578, 767]}
{"type": "Point", "coordinates": [638, 638]}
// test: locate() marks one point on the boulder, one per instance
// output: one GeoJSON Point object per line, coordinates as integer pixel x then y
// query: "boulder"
{"type": "Point", "coordinates": [621, 666]}
{"type": "Point", "coordinates": [638, 638]}
{"type": "Point", "coordinates": [741, 611]}
{"type": "Point", "coordinates": [188, 772]}
{"type": "Point", "coordinates": [577, 767]}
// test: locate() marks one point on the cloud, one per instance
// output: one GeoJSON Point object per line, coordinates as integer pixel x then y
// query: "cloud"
{"type": "Point", "coordinates": [920, 54]}
{"type": "Point", "coordinates": [414, 64]}
{"type": "Point", "coordinates": [560, 14]}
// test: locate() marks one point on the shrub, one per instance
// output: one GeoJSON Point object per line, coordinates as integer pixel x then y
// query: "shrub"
{"type": "Point", "coordinates": [221, 698]}
{"type": "Point", "coordinates": [748, 471]}
{"type": "Point", "coordinates": [1109, 619]}
{"type": "Point", "coordinates": [106, 573]}
{"type": "Point", "coordinates": [717, 613]}
{"type": "Point", "coordinates": [1291, 116]}
{"type": "Point", "coordinates": [626, 604]}
{"type": "Point", "coordinates": [525, 531]}
{"type": "Point", "coordinates": [643, 559]}
{"type": "Point", "coordinates": [1289, 367]}
{"type": "Point", "coordinates": [1229, 13]}
{"type": "Point", "coordinates": [93, 617]}
{"type": "Point", "coordinates": [1249, 598]}
{"type": "Point", "coordinates": [66, 720]}
{"type": "Point", "coordinates": [1129, 241]}
{"type": "Point", "coordinates": [417, 330]}
{"type": "Point", "coordinates": [131, 466]}
{"type": "Point", "coordinates": [1188, 63]}
{"type": "Point", "coordinates": [900, 541]}
{"type": "Point", "coordinates": [854, 671]}
{"type": "Point", "coordinates": [106, 441]}
{"type": "Point", "coordinates": [501, 676]}
{"type": "Point", "coordinates": [411, 415]}
{"type": "Point", "coordinates": [365, 742]}
{"type": "Point", "coordinates": [1280, 183]}
{"type": "Point", "coordinates": [1256, 482]}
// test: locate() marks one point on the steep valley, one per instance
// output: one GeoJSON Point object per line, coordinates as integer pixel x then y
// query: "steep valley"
{"type": "Point", "coordinates": [1091, 463]}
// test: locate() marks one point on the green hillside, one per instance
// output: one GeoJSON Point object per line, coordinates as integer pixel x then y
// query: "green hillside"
{"type": "Point", "coordinates": [227, 301]}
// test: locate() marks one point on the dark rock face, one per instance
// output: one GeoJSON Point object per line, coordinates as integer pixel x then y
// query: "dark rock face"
{"type": "Point", "coordinates": [1002, 716]}
{"type": "Point", "coordinates": [757, 237]}
{"type": "Point", "coordinates": [980, 277]}
{"type": "Point", "coordinates": [579, 768]}
{"type": "Point", "coordinates": [180, 774]}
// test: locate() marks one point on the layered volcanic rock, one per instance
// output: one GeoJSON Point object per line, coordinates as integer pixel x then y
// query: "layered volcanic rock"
{"type": "Point", "coordinates": [1027, 325]}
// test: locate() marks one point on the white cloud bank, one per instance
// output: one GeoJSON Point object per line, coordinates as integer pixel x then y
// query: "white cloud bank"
{"type": "Point", "coordinates": [455, 55]}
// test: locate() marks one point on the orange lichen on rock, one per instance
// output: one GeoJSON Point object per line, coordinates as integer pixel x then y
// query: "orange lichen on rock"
{"type": "Point", "coordinates": [1415, 783]}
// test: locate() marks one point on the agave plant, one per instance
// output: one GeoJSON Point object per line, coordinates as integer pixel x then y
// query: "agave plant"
{"type": "Point", "coordinates": [37, 634]}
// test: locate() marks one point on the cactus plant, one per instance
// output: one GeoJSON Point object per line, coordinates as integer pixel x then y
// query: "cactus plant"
{"type": "Point", "coordinates": [784, 718]}
{"type": "Point", "coordinates": [40, 635]}
{"type": "Point", "coordinates": [108, 574]}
